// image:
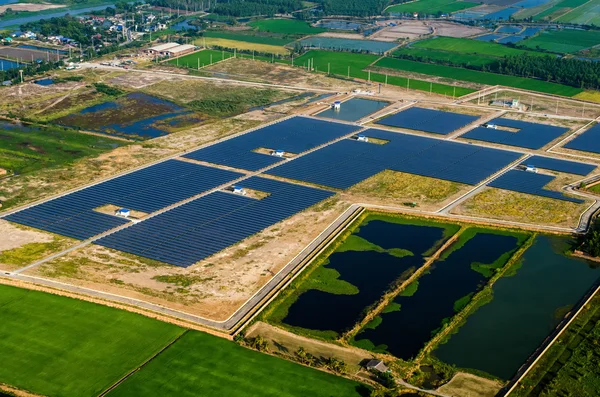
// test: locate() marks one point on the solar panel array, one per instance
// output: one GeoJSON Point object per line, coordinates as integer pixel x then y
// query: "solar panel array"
{"type": "Point", "coordinates": [530, 135]}
{"type": "Point", "coordinates": [428, 120]}
{"type": "Point", "coordinates": [295, 135]}
{"type": "Point", "coordinates": [589, 141]}
{"type": "Point", "coordinates": [530, 183]}
{"type": "Point", "coordinates": [571, 167]}
{"type": "Point", "coordinates": [191, 232]}
{"type": "Point", "coordinates": [347, 162]}
{"type": "Point", "coordinates": [146, 190]}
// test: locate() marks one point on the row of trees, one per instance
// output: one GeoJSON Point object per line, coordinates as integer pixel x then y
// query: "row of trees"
{"type": "Point", "coordinates": [359, 8]}
{"type": "Point", "coordinates": [239, 8]}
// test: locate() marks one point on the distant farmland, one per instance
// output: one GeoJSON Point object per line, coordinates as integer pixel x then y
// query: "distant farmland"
{"type": "Point", "coordinates": [250, 38]}
{"type": "Point", "coordinates": [201, 58]}
{"type": "Point", "coordinates": [564, 41]}
{"type": "Point", "coordinates": [285, 26]}
{"type": "Point", "coordinates": [477, 77]}
{"type": "Point", "coordinates": [471, 47]}
{"type": "Point", "coordinates": [431, 6]}
{"type": "Point", "coordinates": [443, 56]}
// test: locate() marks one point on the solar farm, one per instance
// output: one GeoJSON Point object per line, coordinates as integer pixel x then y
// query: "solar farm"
{"type": "Point", "coordinates": [428, 120]}
{"type": "Point", "coordinates": [588, 141]}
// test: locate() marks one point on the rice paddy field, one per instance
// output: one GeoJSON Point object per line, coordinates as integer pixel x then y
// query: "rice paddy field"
{"type": "Point", "coordinates": [431, 6]}
{"type": "Point", "coordinates": [563, 41]}
{"type": "Point", "coordinates": [587, 13]}
{"type": "Point", "coordinates": [353, 65]}
{"type": "Point", "coordinates": [554, 9]}
{"type": "Point", "coordinates": [58, 346]}
{"type": "Point", "coordinates": [477, 77]}
{"type": "Point", "coordinates": [453, 58]}
{"type": "Point", "coordinates": [285, 26]}
{"type": "Point", "coordinates": [471, 47]}
{"type": "Point", "coordinates": [25, 149]}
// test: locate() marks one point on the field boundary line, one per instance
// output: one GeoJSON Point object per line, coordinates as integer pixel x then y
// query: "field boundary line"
{"type": "Point", "coordinates": [136, 369]}
{"type": "Point", "coordinates": [562, 328]}
{"type": "Point", "coordinates": [391, 295]}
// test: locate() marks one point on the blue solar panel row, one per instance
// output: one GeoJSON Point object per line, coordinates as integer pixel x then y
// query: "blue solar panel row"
{"type": "Point", "coordinates": [589, 141]}
{"type": "Point", "coordinates": [530, 135]}
{"type": "Point", "coordinates": [146, 190]}
{"type": "Point", "coordinates": [294, 135]}
{"type": "Point", "coordinates": [530, 183]}
{"type": "Point", "coordinates": [348, 162]}
{"type": "Point", "coordinates": [428, 120]}
{"type": "Point", "coordinates": [203, 227]}
{"type": "Point", "coordinates": [571, 167]}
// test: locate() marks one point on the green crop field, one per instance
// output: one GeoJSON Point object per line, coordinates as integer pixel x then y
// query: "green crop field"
{"type": "Point", "coordinates": [340, 63]}
{"type": "Point", "coordinates": [477, 77]}
{"type": "Point", "coordinates": [58, 346]}
{"type": "Point", "coordinates": [250, 38]}
{"type": "Point", "coordinates": [471, 47]}
{"type": "Point", "coordinates": [564, 41]}
{"type": "Point", "coordinates": [558, 9]}
{"type": "Point", "coordinates": [203, 365]}
{"type": "Point", "coordinates": [285, 26]}
{"type": "Point", "coordinates": [201, 58]}
{"type": "Point", "coordinates": [443, 56]}
{"type": "Point", "coordinates": [29, 149]}
{"type": "Point", "coordinates": [432, 6]}
{"type": "Point", "coordinates": [587, 13]}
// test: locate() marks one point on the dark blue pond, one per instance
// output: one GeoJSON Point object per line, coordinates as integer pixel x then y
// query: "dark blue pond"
{"type": "Point", "coordinates": [5, 64]}
{"type": "Point", "coordinates": [38, 48]}
{"type": "Point", "coordinates": [44, 82]}
{"type": "Point", "coordinates": [403, 333]}
{"type": "Point", "coordinates": [370, 271]}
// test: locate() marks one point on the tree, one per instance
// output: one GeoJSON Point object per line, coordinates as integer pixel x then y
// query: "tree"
{"type": "Point", "coordinates": [259, 343]}
{"type": "Point", "coordinates": [335, 365]}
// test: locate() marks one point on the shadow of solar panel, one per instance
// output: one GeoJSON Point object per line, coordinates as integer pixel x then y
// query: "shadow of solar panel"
{"type": "Point", "coordinates": [146, 190]}
{"type": "Point", "coordinates": [530, 183]}
{"type": "Point", "coordinates": [348, 162]}
{"type": "Point", "coordinates": [571, 167]}
{"type": "Point", "coordinates": [428, 120]}
{"type": "Point", "coordinates": [198, 229]}
{"type": "Point", "coordinates": [294, 135]}
{"type": "Point", "coordinates": [530, 135]}
{"type": "Point", "coordinates": [589, 141]}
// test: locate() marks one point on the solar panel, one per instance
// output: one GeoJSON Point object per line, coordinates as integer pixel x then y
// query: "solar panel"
{"type": "Point", "coordinates": [589, 141]}
{"type": "Point", "coordinates": [530, 183]}
{"type": "Point", "coordinates": [147, 190]}
{"type": "Point", "coordinates": [198, 229]}
{"type": "Point", "coordinates": [428, 120]}
{"type": "Point", "coordinates": [530, 135]}
{"type": "Point", "coordinates": [294, 135]}
{"type": "Point", "coordinates": [571, 167]}
{"type": "Point", "coordinates": [347, 162]}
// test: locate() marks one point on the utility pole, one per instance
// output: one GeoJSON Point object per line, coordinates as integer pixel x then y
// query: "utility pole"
{"type": "Point", "coordinates": [328, 68]}
{"type": "Point", "coordinates": [454, 93]}
{"type": "Point", "coordinates": [211, 59]}
{"type": "Point", "coordinates": [348, 71]}
{"type": "Point", "coordinates": [21, 73]}
{"type": "Point", "coordinates": [430, 88]}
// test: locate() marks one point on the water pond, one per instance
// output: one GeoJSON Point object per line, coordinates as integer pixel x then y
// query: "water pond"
{"type": "Point", "coordinates": [367, 264]}
{"type": "Point", "coordinates": [332, 43]}
{"type": "Point", "coordinates": [6, 64]}
{"type": "Point", "coordinates": [135, 115]}
{"type": "Point", "coordinates": [421, 309]}
{"type": "Point", "coordinates": [354, 109]}
{"type": "Point", "coordinates": [500, 336]}
{"type": "Point", "coordinates": [44, 82]}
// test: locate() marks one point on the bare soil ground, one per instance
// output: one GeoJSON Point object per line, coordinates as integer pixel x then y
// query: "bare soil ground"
{"type": "Point", "coordinates": [280, 74]}
{"type": "Point", "coordinates": [391, 188]}
{"type": "Point", "coordinates": [518, 207]}
{"type": "Point", "coordinates": [30, 7]}
{"type": "Point", "coordinates": [15, 237]}
{"type": "Point", "coordinates": [451, 29]}
{"type": "Point", "coordinates": [469, 385]}
{"type": "Point", "coordinates": [139, 80]}
{"type": "Point", "coordinates": [404, 30]}
{"type": "Point", "coordinates": [213, 288]}
{"type": "Point", "coordinates": [354, 36]}
{"type": "Point", "coordinates": [286, 343]}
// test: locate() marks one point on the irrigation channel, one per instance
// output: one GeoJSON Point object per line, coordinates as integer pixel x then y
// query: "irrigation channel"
{"type": "Point", "coordinates": [532, 291]}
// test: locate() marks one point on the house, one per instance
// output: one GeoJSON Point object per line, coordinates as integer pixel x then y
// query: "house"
{"type": "Point", "coordinates": [531, 168]}
{"type": "Point", "coordinates": [337, 105]}
{"type": "Point", "coordinates": [362, 138]}
{"type": "Point", "coordinates": [239, 190]}
{"type": "Point", "coordinates": [492, 126]}
{"type": "Point", "coordinates": [8, 39]}
{"type": "Point", "coordinates": [377, 365]}
{"type": "Point", "coordinates": [160, 48]}
{"type": "Point", "coordinates": [124, 212]}
{"type": "Point", "coordinates": [278, 153]}
{"type": "Point", "coordinates": [179, 50]}
{"type": "Point", "coordinates": [6, 83]}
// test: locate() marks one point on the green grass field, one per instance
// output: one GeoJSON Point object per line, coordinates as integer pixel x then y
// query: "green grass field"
{"type": "Point", "coordinates": [477, 77]}
{"type": "Point", "coordinates": [57, 346]}
{"type": "Point", "coordinates": [32, 148]}
{"type": "Point", "coordinates": [558, 9]}
{"type": "Point", "coordinates": [285, 26]}
{"type": "Point", "coordinates": [203, 365]}
{"type": "Point", "coordinates": [436, 56]}
{"type": "Point", "coordinates": [471, 47]}
{"type": "Point", "coordinates": [250, 38]}
{"type": "Point", "coordinates": [64, 347]}
{"type": "Point", "coordinates": [563, 41]}
{"type": "Point", "coordinates": [340, 61]}
{"type": "Point", "coordinates": [586, 14]}
{"type": "Point", "coordinates": [202, 58]}
{"type": "Point", "coordinates": [432, 6]}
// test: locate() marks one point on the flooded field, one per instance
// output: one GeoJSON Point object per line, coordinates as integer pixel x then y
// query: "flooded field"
{"type": "Point", "coordinates": [136, 116]}
{"type": "Point", "coordinates": [421, 309]}
{"type": "Point", "coordinates": [354, 109]}
{"type": "Point", "coordinates": [500, 336]}
{"type": "Point", "coordinates": [374, 258]}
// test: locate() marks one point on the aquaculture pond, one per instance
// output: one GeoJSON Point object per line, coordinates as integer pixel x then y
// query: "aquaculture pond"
{"type": "Point", "coordinates": [5, 64]}
{"type": "Point", "coordinates": [417, 312]}
{"type": "Point", "coordinates": [376, 256]}
{"type": "Point", "coordinates": [354, 109]}
{"type": "Point", "coordinates": [135, 115]}
{"type": "Point", "coordinates": [526, 306]}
